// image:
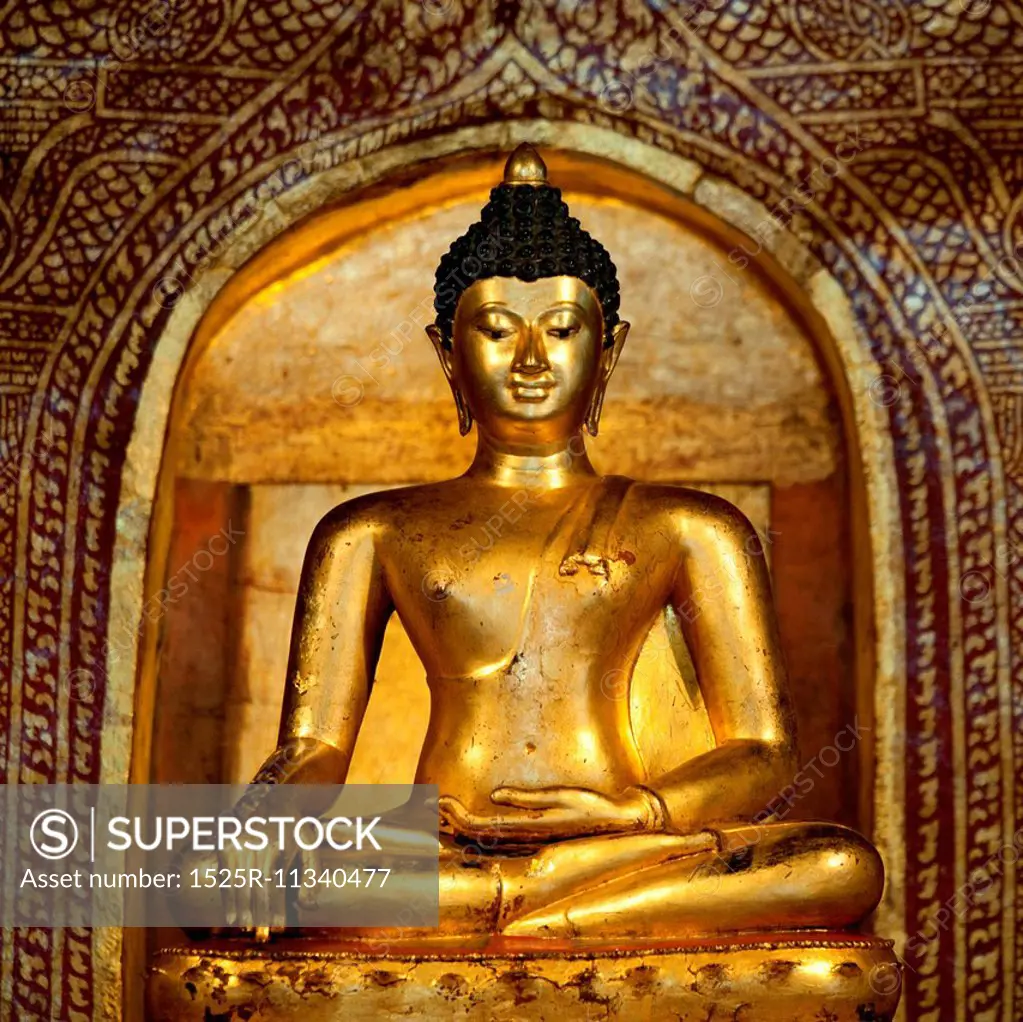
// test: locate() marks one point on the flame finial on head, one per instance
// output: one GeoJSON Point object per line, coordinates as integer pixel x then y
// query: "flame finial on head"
{"type": "Point", "coordinates": [524, 167]}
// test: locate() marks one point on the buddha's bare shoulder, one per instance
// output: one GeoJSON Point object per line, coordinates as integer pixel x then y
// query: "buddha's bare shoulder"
{"type": "Point", "coordinates": [695, 518]}
{"type": "Point", "coordinates": [394, 511]}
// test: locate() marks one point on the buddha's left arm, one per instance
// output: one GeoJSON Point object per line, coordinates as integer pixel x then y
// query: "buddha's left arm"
{"type": "Point", "coordinates": [722, 595]}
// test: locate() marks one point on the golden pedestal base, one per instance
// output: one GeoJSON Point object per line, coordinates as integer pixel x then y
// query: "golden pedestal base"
{"type": "Point", "coordinates": [780, 978]}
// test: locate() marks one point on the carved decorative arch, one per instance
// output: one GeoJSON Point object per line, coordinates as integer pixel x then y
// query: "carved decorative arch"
{"type": "Point", "coordinates": [162, 169]}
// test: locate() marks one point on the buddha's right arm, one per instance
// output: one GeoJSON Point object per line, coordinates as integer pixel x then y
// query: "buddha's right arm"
{"type": "Point", "coordinates": [341, 613]}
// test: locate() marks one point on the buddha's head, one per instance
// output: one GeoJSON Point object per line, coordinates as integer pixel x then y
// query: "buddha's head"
{"type": "Point", "coordinates": [527, 326]}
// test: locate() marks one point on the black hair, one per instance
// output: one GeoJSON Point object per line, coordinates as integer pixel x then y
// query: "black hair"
{"type": "Point", "coordinates": [525, 231]}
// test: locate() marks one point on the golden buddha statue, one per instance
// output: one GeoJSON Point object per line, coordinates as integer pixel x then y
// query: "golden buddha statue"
{"type": "Point", "coordinates": [534, 759]}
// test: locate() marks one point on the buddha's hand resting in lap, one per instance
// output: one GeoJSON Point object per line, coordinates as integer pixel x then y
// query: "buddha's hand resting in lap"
{"type": "Point", "coordinates": [524, 815]}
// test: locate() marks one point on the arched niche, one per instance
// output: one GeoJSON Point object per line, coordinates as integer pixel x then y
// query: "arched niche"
{"type": "Point", "coordinates": [321, 385]}
{"type": "Point", "coordinates": [672, 414]}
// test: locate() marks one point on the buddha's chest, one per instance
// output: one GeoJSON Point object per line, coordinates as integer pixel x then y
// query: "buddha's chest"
{"type": "Point", "coordinates": [492, 589]}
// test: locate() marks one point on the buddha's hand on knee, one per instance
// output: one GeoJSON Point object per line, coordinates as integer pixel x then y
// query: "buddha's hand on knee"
{"type": "Point", "coordinates": [252, 887]}
{"type": "Point", "coordinates": [553, 813]}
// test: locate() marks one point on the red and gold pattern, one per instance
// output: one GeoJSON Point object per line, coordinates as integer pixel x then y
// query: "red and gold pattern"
{"type": "Point", "coordinates": [131, 134]}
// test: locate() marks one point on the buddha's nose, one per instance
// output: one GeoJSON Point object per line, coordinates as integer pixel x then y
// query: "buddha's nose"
{"type": "Point", "coordinates": [531, 354]}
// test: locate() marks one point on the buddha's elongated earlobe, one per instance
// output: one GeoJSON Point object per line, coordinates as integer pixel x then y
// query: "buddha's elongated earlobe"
{"type": "Point", "coordinates": [464, 415]}
{"type": "Point", "coordinates": [444, 354]}
{"type": "Point", "coordinates": [608, 361]}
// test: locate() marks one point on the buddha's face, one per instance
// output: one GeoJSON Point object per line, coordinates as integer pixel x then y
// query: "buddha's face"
{"type": "Point", "coordinates": [528, 359]}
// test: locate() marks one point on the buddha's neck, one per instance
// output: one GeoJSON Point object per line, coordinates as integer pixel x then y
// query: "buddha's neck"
{"type": "Point", "coordinates": [545, 467]}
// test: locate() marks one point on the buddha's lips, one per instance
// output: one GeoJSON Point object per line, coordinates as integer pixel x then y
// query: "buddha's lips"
{"type": "Point", "coordinates": [531, 388]}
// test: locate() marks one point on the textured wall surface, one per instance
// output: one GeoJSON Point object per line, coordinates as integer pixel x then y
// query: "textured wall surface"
{"type": "Point", "coordinates": [887, 134]}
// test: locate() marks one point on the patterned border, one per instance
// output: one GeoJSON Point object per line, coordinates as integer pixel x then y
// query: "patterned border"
{"type": "Point", "coordinates": [160, 167]}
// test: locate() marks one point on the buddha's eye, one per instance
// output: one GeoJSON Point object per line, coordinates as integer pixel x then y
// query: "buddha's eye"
{"type": "Point", "coordinates": [562, 331]}
{"type": "Point", "coordinates": [496, 331]}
